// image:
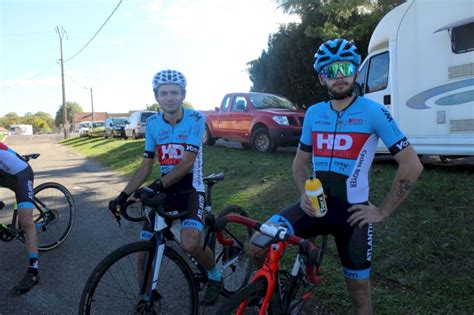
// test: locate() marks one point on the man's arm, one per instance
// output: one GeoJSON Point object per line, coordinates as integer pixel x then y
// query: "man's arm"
{"type": "Point", "coordinates": [409, 169]}
{"type": "Point", "coordinates": [140, 176]}
{"type": "Point", "coordinates": [301, 173]}
{"type": "Point", "coordinates": [180, 170]}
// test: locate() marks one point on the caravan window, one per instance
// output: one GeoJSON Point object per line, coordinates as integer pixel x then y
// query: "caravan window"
{"type": "Point", "coordinates": [377, 78]}
{"type": "Point", "coordinates": [462, 39]}
{"type": "Point", "coordinates": [361, 79]}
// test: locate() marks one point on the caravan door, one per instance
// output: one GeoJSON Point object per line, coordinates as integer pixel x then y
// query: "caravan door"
{"type": "Point", "coordinates": [374, 83]}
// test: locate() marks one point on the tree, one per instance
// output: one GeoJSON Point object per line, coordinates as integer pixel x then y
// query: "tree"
{"type": "Point", "coordinates": [72, 107]}
{"type": "Point", "coordinates": [10, 119]}
{"type": "Point", "coordinates": [286, 66]}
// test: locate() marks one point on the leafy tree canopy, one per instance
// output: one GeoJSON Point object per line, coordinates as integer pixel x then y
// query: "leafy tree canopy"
{"type": "Point", "coordinates": [72, 107]}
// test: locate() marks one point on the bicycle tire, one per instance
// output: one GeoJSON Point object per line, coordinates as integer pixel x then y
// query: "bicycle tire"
{"type": "Point", "coordinates": [234, 262]}
{"type": "Point", "coordinates": [297, 287]}
{"type": "Point", "coordinates": [253, 294]}
{"type": "Point", "coordinates": [53, 215]}
{"type": "Point", "coordinates": [105, 291]}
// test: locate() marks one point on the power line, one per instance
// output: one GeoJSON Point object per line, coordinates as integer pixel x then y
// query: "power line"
{"type": "Point", "coordinates": [90, 40]}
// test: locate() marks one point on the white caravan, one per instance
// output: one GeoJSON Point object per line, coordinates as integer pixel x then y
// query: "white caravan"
{"type": "Point", "coordinates": [26, 130]}
{"type": "Point", "coordinates": [421, 67]}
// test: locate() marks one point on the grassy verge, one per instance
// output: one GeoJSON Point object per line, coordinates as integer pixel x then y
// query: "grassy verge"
{"type": "Point", "coordinates": [423, 254]}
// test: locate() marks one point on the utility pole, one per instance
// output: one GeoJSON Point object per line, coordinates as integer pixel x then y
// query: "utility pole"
{"type": "Point", "coordinates": [61, 33]}
{"type": "Point", "coordinates": [92, 103]}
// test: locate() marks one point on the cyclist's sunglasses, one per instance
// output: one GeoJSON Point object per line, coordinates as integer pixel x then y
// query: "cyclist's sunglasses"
{"type": "Point", "coordinates": [346, 70]}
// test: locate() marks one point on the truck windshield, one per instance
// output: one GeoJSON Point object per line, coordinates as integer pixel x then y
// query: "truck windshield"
{"type": "Point", "coordinates": [271, 101]}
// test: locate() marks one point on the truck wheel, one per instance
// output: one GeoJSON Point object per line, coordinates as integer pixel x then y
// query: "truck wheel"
{"type": "Point", "coordinates": [262, 142]}
{"type": "Point", "coordinates": [207, 138]}
{"type": "Point", "coordinates": [134, 135]}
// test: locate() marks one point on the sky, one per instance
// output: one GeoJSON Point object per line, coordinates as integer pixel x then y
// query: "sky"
{"type": "Point", "coordinates": [209, 41]}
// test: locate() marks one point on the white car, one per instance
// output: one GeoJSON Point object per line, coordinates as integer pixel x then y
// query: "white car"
{"type": "Point", "coordinates": [84, 128]}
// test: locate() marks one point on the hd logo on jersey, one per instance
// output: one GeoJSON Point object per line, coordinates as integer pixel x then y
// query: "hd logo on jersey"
{"type": "Point", "coordinates": [170, 153]}
{"type": "Point", "coordinates": [343, 145]}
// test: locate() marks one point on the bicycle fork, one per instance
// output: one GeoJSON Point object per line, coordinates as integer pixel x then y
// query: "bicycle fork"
{"type": "Point", "coordinates": [153, 264]}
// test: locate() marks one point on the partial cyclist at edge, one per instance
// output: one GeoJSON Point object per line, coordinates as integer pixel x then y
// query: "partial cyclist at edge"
{"type": "Point", "coordinates": [174, 137]}
{"type": "Point", "coordinates": [339, 140]}
{"type": "Point", "coordinates": [17, 175]}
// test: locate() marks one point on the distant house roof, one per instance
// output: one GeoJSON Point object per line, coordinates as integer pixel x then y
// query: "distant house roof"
{"type": "Point", "coordinates": [3, 129]}
{"type": "Point", "coordinates": [119, 114]}
{"type": "Point", "coordinates": [98, 116]}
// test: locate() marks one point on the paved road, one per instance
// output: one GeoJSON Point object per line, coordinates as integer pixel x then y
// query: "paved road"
{"type": "Point", "coordinates": [65, 269]}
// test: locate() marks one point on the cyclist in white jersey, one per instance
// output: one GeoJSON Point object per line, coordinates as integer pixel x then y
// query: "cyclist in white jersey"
{"type": "Point", "coordinates": [339, 139]}
{"type": "Point", "coordinates": [174, 137]}
{"type": "Point", "coordinates": [17, 175]}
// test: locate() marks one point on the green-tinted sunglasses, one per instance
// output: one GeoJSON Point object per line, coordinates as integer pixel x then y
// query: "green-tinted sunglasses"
{"type": "Point", "coordinates": [346, 70]}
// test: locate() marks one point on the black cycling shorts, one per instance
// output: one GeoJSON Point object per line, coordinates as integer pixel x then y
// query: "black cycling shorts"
{"type": "Point", "coordinates": [22, 184]}
{"type": "Point", "coordinates": [193, 201]}
{"type": "Point", "coordinates": [354, 244]}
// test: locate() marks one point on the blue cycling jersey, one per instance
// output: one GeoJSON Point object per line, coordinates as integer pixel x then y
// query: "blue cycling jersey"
{"type": "Point", "coordinates": [343, 144]}
{"type": "Point", "coordinates": [10, 162]}
{"type": "Point", "coordinates": [170, 142]}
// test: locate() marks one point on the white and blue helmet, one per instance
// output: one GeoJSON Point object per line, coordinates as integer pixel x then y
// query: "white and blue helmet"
{"type": "Point", "coordinates": [168, 77]}
{"type": "Point", "coordinates": [336, 50]}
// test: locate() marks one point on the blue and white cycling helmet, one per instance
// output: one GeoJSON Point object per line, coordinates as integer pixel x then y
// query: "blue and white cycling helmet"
{"type": "Point", "coordinates": [168, 77]}
{"type": "Point", "coordinates": [336, 50]}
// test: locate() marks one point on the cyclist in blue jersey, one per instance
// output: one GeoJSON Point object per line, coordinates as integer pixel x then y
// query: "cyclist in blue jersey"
{"type": "Point", "coordinates": [17, 175]}
{"type": "Point", "coordinates": [339, 140]}
{"type": "Point", "coordinates": [174, 138]}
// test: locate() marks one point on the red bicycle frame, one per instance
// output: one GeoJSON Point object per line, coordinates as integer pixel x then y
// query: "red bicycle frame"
{"type": "Point", "coordinates": [269, 269]}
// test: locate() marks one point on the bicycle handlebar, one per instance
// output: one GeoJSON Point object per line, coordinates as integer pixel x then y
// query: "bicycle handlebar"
{"type": "Point", "coordinates": [308, 248]}
{"type": "Point", "coordinates": [28, 157]}
{"type": "Point", "coordinates": [156, 203]}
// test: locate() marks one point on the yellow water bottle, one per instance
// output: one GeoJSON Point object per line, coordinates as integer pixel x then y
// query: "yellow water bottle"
{"type": "Point", "coordinates": [314, 190]}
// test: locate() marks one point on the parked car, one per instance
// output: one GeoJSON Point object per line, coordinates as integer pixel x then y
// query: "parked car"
{"type": "Point", "coordinates": [259, 120]}
{"type": "Point", "coordinates": [84, 128]}
{"type": "Point", "coordinates": [97, 129]}
{"type": "Point", "coordinates": [115, 127]}
{"type": "Point", "coordinates": [136, 124]}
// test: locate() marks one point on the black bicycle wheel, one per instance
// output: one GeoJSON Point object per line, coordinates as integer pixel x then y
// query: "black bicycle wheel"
{"type": "Point", "coordinates": [53, 214]}
{"type": "Point", "coordinates": [234, 262]}
{"type": "Point", "coordinates": [251, 298]}
{"type": "Point", "coordinates": [114, 286]}
{"type": "Point", "coordinates": [296, 288]}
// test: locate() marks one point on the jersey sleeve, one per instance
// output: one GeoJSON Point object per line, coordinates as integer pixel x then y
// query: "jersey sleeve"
{"type": "Point", "coordinates": [306, 138]}
{"type": "Point", "coordinates": [387, 129]}
{"type": "Point", "coordinates": [197, 125]}
{"type": "Point", "coordinates": [150, 143]}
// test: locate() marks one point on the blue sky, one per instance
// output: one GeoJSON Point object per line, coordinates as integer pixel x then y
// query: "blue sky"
{"type": "Point", "coordinates": [210, 41]}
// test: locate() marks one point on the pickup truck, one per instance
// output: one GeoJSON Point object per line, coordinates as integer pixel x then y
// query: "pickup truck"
{"type": "Point", "coordinates": [257, 120]}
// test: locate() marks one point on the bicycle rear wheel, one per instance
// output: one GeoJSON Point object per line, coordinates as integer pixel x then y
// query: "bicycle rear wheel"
{"type": "Point", "coordinates": [234, 261]}
{"type": "Point", "coordinates": [248, 301]}
{"type": "Point", "coordinates": [53, 214]}
{"type": "Point", "coordinates": [114, 286]}
{"type": "Point", "coordinates": [295, 292]}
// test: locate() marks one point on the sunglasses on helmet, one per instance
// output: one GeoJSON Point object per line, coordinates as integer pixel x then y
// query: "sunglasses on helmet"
{"type": "Point", "coordinates": [346, 69]}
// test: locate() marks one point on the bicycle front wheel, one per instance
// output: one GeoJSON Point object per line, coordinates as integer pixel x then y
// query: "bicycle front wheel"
{"type": "Point", "coordinates": [115, 286]}
{"type": "Point", "coordinates": [248, 301]}
{"type": "Point", "coordinates": [234, 261]}
{"type": "Point", "coordinates": [53, 214]}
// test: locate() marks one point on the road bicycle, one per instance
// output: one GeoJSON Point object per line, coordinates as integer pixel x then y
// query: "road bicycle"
{"type": "Point", "coordinates": [53, 215]}
{"type": "Point", "coordinates": [157, 276]}
{"type": "Point", "coordinates": [275, 291]}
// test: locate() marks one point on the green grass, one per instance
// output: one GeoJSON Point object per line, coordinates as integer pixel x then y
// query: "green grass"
{"type": "Point", "coordinates": [423, 259]}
